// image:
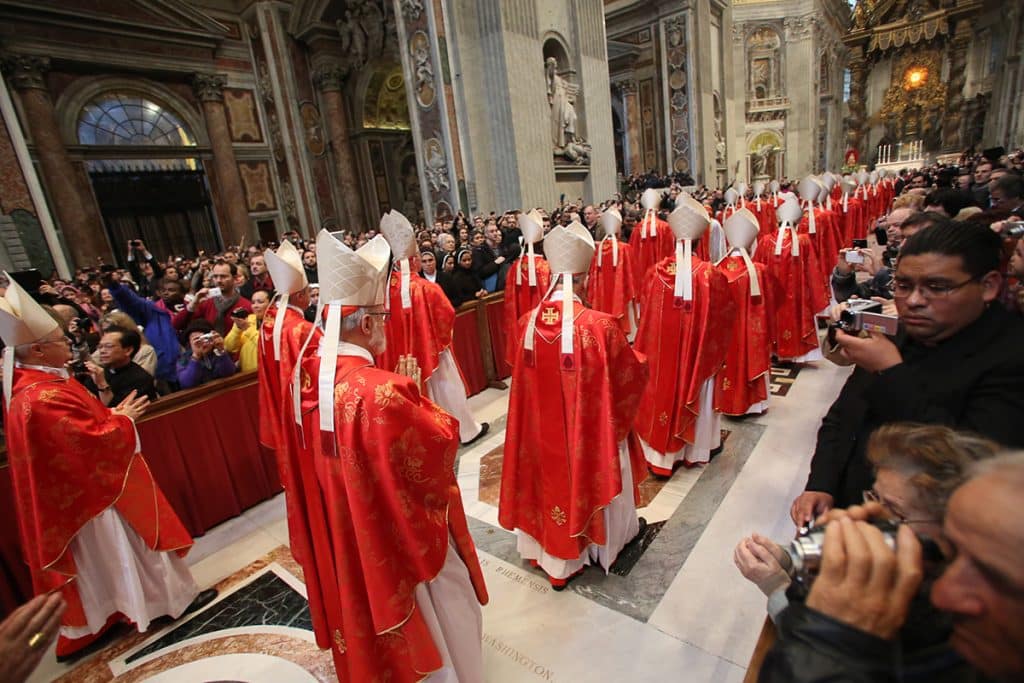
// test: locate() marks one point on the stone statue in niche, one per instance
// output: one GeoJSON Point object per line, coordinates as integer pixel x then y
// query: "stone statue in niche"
{"type": "Point", "coordinates": [759, 160]}
{"type": "Point", "coordinates": [565, 139]}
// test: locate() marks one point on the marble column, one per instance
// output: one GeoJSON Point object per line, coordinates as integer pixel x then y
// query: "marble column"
{"type": "Point", "coordinates": [858, 102]}
{"type": "Point", "coordinates": [951, 127]}
{"type": "Point", "coordinates": [328, 80]}
{"type": "Point", "coordinates": [209, 88]}
{"type": "Point", "coordinates": [83, 232]}
{"type": "Point", "coordinates": [631, 100]}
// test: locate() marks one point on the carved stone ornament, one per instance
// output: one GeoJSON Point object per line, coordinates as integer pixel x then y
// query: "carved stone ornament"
{"type": "Point", "coordinates": [411, 9]}
{"type": "Point", "coordinates": [329, 77]}
{"type": "Point", "coordinates": [628, 87]}
{"type": "Point", "coordinates": [436, 164]}
{"type": "Point", "coordinates": [798, 28]}
{"type": "Point", "coordinates": [423, 69]}
{"type": "Point", "coordinates": [26, 71]}
{"type": "Point", "coordinates": [209, 87]}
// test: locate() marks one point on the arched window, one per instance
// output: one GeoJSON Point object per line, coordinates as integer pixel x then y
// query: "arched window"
{"type": "Point", "coordinates": [120, 118]}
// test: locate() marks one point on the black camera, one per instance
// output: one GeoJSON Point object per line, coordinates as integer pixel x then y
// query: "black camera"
{"type": "Point", "coordinates": [240, 313]}
{"type": "Point", "coordinates": [860, 244]}
{"type": "Point", "coordinates": [863, 315]}
{"type": "Point", "coordinates": [78, 368]}
{"type": "Point", "coordinates": [83, 324]}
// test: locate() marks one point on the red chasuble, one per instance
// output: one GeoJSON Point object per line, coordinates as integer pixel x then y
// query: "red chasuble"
{"type": "Point", "coordinates": [853, 219]}
{"type": "Point", "coordinates": [424, 329]}
{"type": "Point", "coordinates": [561, 462]}
{"type": "Point", "coordinates": [801, 294]}
{"type": "Point", "coordinates": [826, 241]}
{"type": "Point", "coordinates": [279, 432]}
{"type": "Point", "coordinates": [391, 503]}
{"type": "Point", "coordinates": [740, 383]}
{"type": "Point", "coordinates": [610, 288]}
{"type": "Point", "coordinates": [71, 459]}
{"type": "Point", "coordinates": [766, 219]}
{"type": "Point", "coordinates": [647, 250]}
{"type": "Point", "coordinates": [521, 298]}
{"type": "Point", "coordinates": [685, 345]}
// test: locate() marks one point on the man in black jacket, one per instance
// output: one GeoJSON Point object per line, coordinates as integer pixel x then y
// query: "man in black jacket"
{"type": "Point", "coordinates": [956, 362]}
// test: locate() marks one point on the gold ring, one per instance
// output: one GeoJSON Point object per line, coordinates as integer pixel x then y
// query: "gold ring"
{"type": "Point", "coordinates": [36, 639]}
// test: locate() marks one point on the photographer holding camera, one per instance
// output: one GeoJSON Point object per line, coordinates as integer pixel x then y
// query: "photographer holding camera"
{"type": "Point", "coordinates": [955, 362]}
{"type": "Point", "coordinates": [206, 358]}
{"type": "Point", "coordinates": [865, 589]}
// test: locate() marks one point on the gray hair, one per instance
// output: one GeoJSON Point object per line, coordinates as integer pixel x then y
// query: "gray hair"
{"type": "Point", "coordinates": [351, 322]}
{"type": "Point", "coordinates": [1007, 466]}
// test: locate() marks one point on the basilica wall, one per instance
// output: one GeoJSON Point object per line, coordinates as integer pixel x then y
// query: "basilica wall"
{"type": "Point", "coordinates": [670, 74]}
{"type": "Point", "coordinates": [790, 59]}
{"type": "Point", "coordinates": [533, 77]}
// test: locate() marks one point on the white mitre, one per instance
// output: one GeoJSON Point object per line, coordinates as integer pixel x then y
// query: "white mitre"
{"type": "Point", "coordinates": [22, 321]}
{"type": "Point", "coordinates": [650, 200]}
{"type": "Point", "coordinates": [731, 195]}
{"type": "Point", "coordinates": [397, 230]}
{"type": "Point", "coordinates": [789, 214]}
{"type": "Point", "coordinates": [758, 188]}
{"type": "Point", "coordinates": [774, 186]}
{"type": "Point", "coordinates": [532, 226]}
{"type": "Point", "coordinates": [741, 230]}
{"type": "Point", "coordinates": [689, 221]}
{"type": "Point", "coordinates": [285, 268]}
{"type": "Point", "coordinates": [611, 226]}
{"type": "Point", "coordinates": [568, 250]}
{"type": "Point", "coordinates": [347, 278]}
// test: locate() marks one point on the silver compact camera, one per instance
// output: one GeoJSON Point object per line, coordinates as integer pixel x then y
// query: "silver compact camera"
{"type": "Point", "coordinates": [1014, 229]}
{"type": "Point", "coordinates": [863, 315]}
{"type": "Point", "coordinates": [208, 337]}
{"type": "Point", "coordinates": [805, 551]}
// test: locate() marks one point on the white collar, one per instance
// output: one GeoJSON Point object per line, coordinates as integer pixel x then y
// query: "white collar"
{"type": "Point", "coordinates": [557, 295]}
{"type": "Point", "coordinates": [348, 349]}
{"type": "Point", "coordinates": [431, 277]}
{"type": "Point", "coordinates": [59, 372]}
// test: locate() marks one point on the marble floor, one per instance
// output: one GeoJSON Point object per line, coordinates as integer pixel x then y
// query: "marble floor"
{"type": "Point", "coordinates": [672, 608]}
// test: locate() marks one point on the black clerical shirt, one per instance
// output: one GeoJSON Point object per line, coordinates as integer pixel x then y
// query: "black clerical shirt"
{"type": "Point", "coordinates": [124, 380]}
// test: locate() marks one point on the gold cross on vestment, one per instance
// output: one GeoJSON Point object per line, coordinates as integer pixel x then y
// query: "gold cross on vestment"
{"type": "Point", "coordinates": [671, 268]}
{"type": "Point", "coordinates": [550, 315]}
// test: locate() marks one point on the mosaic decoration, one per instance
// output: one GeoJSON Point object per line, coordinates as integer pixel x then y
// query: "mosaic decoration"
{"type": "Point", "coordinates": [677, 80]}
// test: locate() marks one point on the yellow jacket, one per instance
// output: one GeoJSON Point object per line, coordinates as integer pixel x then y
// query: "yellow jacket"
{"type": "Point", "coordinates": [244, 344]}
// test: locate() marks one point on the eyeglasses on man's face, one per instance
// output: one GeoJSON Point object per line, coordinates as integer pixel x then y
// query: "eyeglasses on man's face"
{"type": "Point", "coordinates": [929, 289]}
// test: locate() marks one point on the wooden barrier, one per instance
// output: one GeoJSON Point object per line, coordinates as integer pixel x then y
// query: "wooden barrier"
{"type": "Point", "coordinates": [478, 343]}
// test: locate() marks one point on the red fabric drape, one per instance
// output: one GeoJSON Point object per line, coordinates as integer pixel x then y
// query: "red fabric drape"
{"type": "Point", "coordinates": [466, 349]}
{"type": "Point", "coordinates": [497, 324]}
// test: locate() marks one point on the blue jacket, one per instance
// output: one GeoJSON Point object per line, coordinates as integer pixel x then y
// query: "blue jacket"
{"type": "Point", "coordinates": [156, 324]}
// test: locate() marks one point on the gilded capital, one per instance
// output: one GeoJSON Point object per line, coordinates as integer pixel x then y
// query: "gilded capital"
{"type": "Point", "coordinates": [209, 87]}
{"type": "Point", "coordinates": [26, 71]}
{"type": "Point", "coordinates": [329, 77]}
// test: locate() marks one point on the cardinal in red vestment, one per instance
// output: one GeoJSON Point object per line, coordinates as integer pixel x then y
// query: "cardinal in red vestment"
{"type": "Point", "coordinates": [791, 261]}
{"type": "Point", "coordinates": [763, 208]}
{"type": "Point", "coordinates": [569, 477]}
{"type": "Point", "coordinates": [851, 212]}
{"type": "Point", "coordinates": [732, 197]}
{"type": "Point", "coordinates": [93, 523]}
{"type": "Point", "coordinates": [285, 337]}
{"type": "Point", "coordinates": [420, 324]}
{"type": "Point", "coordinates": [611, 287]}
{"type": "Point", "coordinates": [652, 238]}
{"type": "Point", "coordinates": [741, 386]}
{"type": "Point", "coordinates": [685, 326]}
{"type": "Point", "coordinates": [409, 585]}
{"type": "Point", "coordinates": [526, 281]}
{"type": "Point", "coordinates": [820, 228]}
